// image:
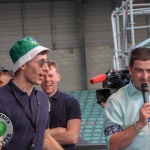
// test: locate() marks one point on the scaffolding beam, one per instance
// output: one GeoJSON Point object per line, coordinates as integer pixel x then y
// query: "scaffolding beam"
{"type": "Point", "coordinates": [127, 11]}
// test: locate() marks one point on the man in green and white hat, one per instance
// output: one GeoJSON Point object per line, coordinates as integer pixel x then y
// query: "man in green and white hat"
{"type": "Point", "coordinates": [23, 108]}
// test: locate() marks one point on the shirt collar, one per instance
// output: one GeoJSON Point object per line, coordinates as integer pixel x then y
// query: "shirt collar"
{"type": "Point", "coordinates": [55, 96]}
{"type": "Point", "coordinates": [18, 90]}
{"type": "Point", "coordinates": [132, 90]}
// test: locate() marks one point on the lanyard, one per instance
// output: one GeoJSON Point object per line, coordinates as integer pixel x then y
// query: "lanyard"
{"type": "Point", "coordinates": [28, 116]}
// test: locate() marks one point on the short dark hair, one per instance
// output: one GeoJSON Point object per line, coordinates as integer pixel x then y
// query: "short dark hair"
{"type": "Point", "coordinates": [52, 64]}
{"type": "Point", "coordinates": [141, 53]}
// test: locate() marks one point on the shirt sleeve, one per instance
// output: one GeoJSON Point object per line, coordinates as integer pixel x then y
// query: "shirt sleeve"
{"type": "Point", "coordinates": [73, 111]}
{"type": "Point", "coordinates": [113, 118]}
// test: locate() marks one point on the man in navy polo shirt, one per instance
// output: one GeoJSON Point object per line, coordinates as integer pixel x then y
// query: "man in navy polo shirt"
{"type": "Point", "coordinates": [23, 108]}
{"type": "Point", "coordinates": [65, 113]}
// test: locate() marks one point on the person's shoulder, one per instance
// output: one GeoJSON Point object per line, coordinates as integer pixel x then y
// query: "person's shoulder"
{"type": "Point", "coordinates": [4, 89]}
{"type": "Point", "coordinates": [119, 96]}
{"type": "Point", "coordinates": [121, 91]}
{"type": "Point", "coordinates": [5, 94]}
{"type": "Point", "coordinates": [41, 93]}
{"type": "Point", "coordinates": [69, 96]}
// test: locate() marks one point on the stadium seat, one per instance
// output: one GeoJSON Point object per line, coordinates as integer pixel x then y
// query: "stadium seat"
{"type": "Point", "coordinates": [92, 117]}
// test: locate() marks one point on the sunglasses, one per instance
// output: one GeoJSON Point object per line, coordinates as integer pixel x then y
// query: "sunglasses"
{"type": "Point", "coordinates": [3, 69]}
{"type": "Point", "coordinates": [42, 62]}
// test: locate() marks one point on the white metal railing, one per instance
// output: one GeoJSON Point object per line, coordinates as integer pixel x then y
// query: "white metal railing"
{"type": "Point", "coordinates": [121, 48]}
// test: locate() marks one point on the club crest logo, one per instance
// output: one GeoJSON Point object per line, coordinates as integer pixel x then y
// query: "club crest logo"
{"type": "Point", "coordinates": [6, 130]}
{"type": "Point", "coordinates": [32, 40]}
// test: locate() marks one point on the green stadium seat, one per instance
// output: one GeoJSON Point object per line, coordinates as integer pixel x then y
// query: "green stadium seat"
{"type": "Point", "coordinates": [92, 116]}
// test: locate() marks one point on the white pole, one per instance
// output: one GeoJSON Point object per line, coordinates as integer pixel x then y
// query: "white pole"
{"type": "Point", "coordinates": [142, 44]}
{"type": "Point", "coordinates": [124, 30]}
{"type": "Point", "coordinates": [114, 63]}
{"type": "Point", "coordinates": [139, 27]}
{"type": "Point", "coordinates": [118, 30]}
{"type": "Point", "coordinates": [132, 24]}
{"type": "Point", "coordinates": [113, 19]}
{"type": "Point", "coordinates": [139, 5]}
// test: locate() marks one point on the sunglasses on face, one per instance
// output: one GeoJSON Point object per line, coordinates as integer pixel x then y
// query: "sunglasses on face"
{"type": "Point", "coordinates": [43, 62]}
{"type": "Point", "coordinates": [3, 69]}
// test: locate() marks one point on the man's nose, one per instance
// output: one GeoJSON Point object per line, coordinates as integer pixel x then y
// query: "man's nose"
{"type": "Point", "coordinates": [45, 67]}
{"type": "Point", "coordinates": [145, 75]}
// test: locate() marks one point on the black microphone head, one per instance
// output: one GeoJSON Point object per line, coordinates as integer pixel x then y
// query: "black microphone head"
{"type": "Point", "coordinates": [144, 87]}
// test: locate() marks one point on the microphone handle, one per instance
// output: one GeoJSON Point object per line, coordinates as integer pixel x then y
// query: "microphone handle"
{"type": "Point", "coordinates": [146, 99]}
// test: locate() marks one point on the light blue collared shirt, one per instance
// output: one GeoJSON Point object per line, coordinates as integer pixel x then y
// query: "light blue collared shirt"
{"type": "Point", "coordinates": [122, 111]}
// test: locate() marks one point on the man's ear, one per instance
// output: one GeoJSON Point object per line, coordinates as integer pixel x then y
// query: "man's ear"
{"type": "Point", "coordinates": [58, 77]}
{"type": "Point", "coordinates": [23, 67]}
{"type": "Point", "coordinates": [130, 69]}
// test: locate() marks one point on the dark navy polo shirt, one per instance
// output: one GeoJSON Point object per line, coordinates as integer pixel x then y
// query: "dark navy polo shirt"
{"type": "Point", "coordinates": [23, 130]}
{"type": "Point", "coordinates": [63, 108]}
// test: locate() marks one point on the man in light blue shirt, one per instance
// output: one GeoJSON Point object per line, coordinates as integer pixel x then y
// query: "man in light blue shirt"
{"type": "Point", "coordinates": [126, 115]}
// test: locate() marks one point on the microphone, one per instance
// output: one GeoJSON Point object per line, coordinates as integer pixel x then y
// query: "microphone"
{"type": "Point", "coordinates": [145, 93]}
{"type": "Point", "coordinates": [99, 78]}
